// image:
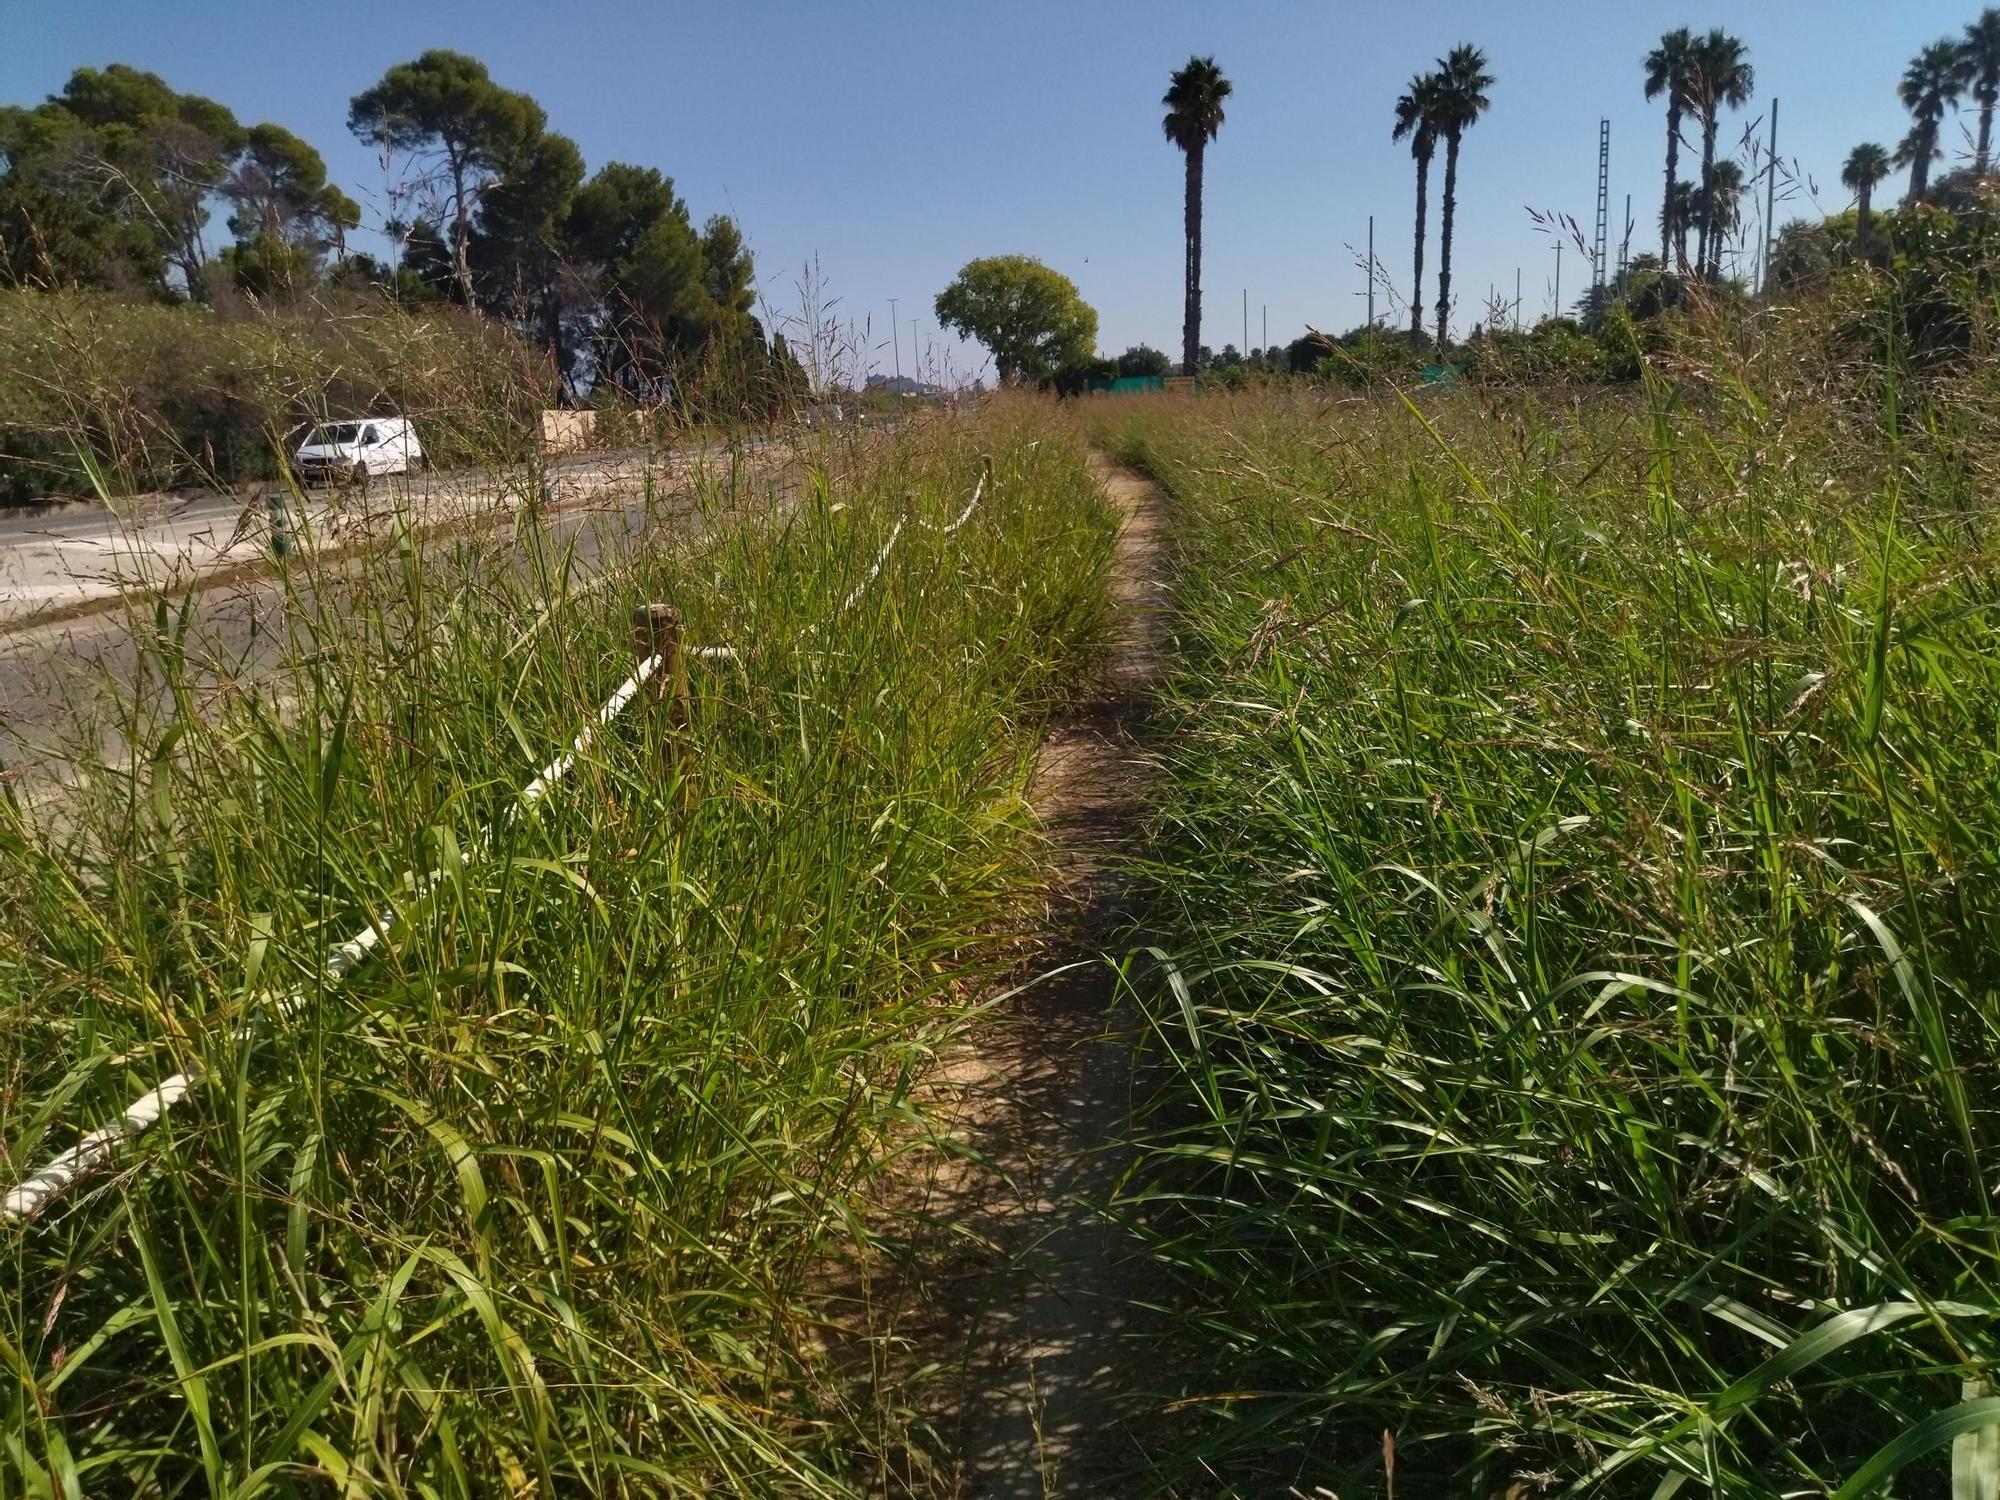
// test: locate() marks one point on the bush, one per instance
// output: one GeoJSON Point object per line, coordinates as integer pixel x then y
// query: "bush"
{"type": "Point", "coordinates": [167, 395]}
{"type": "Point", "coordinates": [1371, 356]}
{"type": "Point", "coordinates": [1556, 350]}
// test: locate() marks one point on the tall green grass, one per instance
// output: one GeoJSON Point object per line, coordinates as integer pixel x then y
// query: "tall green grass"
{"type": "Point", "coordinates": [1579, 851]}
{"type": "Point", "coordinates": [541, 1199]}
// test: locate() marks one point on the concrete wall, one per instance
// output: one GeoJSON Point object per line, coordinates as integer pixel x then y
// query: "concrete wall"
{"type": "Point", "coordinates": [567, 431]}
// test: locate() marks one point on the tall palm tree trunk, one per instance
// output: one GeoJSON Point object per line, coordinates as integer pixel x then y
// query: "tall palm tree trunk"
{"type": "Point", "coordinates": [1862, 222]}
{"type": "Point", "coordinates": [1417, 271]}
{"type": "Point", "coordinates": [1673, 176]}
{"type": "Point", "coordinates": [1707, 191]}
{"type": "Point", "coordinates": [1444, 237]}
{"type": "Point", "coordinates": [1985, 136]}
{"type": "Point", "coordinates": [1191, 314]}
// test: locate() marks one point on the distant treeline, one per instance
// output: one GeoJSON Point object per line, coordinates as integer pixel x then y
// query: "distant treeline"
{"type": "Point", "coordinates": [116, 183]}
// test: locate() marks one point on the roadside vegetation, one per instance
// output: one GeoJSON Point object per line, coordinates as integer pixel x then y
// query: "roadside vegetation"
{"type": "Point", "coordinates": [1574, 905]}
{"type": "Point", "coordinates": [543, 1194]}
{"type": "Point", "coordinates": [1567, 985]}
{"type": "Point", "coordinates": [595, 289]}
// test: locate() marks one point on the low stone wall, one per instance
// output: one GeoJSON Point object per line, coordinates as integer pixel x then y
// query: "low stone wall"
{"type": "Point", "coordinates": [567, 431]}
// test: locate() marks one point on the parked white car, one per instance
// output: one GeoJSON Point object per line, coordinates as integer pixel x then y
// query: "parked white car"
{"type": "Point", "coordinates": [360, 450]}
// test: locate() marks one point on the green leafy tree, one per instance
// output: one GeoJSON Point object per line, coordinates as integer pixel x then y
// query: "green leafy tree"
{"type": "Point", "coordinates": [790, 386]}
{"type": "Point", "coordinates": [58, 227]}
{"type": "Point", "coordinates": [446, 111]}
{"type": "Point", "coordinates": [423, 266]}
{"type": "Point", "coordinates": [133, 147]}
{"type": "Point", "coordinates": [1419, 112]}
{"type": "Point", "coordinates": [284, 214]}
{"type": "Point", "coordinates": [278, 189]}
{"type": "Point", "coordinates": [658, 289]}
{"type": "Point", "coordinates": [630, 232]}
{"type": "Point", "coordinates": [1801, 255]}
{"type": "Point", "coordinates": [729, 277]}
{"type": "Point", "coordinates": [616, 207]}
{"type": "Point", "coordinates": [735, 357]}
{"type": "Point", "coordinates": [1722, 77]}
{"type": "Point", "coordinates": [115, 180]}
{"type": "Point", "coordinates": [1931, 85]}
{"type": "Point", "coordinates": [1462, 83]}
{"type": "Point", "coordinates": [268, 266]}
{"type": "Point", "coordinates": [1670, 73]}
{"type": "Point", "coordinates": [1982, 68]}
{"type": "Point", "coordinates": [1303, 354]}
{"type": "Point", "coordinates": [1866, 165]}
{"type": "Point", "coordinates": [1144, 359]}
{"type": "Point", "coordinates": [1194, 117]}
{"type": "Point", "coordinates": [520, 239]}
{"type": "Point", "coordinates": [1032, 319]}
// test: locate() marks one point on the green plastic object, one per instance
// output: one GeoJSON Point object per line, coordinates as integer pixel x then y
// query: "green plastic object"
{"type": "Point", "coordinates": [281, 524]}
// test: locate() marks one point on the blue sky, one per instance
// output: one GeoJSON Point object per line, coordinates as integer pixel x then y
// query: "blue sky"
{"type": "Point", "coordinates": [890, 143]}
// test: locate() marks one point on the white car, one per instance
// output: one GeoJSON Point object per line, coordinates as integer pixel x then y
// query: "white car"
{"type": "Point", "coordinates": [359, 450]}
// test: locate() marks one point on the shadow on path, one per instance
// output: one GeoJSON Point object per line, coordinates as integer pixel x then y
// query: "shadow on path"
{"type": "Point", "coordinates": [1044, 1314]}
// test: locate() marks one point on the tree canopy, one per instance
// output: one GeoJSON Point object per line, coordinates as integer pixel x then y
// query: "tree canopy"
{"type": "Point", "coordinates": [1144, 359]}
{"type": "Point", "coordinates": [1032, 319]}
{"type": "Point", "coordinates": [461, 129]}
{"type": "Point", "coordinates": [123, 169]}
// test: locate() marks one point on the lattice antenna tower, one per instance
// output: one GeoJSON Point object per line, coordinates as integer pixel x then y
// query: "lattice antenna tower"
{"type": "Point", "coordinates": [1603, 197]}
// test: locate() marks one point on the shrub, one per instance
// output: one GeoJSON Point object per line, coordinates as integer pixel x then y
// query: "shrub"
{"type": "Point", "coordinates": [177, 394]}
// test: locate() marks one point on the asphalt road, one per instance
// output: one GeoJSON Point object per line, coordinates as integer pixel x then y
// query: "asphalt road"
{"type": "Point", "coordinates": [222, 512]}
{"type": "Point", "coordinates": [69, 682]}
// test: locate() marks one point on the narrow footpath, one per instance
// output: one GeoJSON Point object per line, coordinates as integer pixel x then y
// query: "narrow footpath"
{"type": "Point", "coordinates": [1051, 1357]}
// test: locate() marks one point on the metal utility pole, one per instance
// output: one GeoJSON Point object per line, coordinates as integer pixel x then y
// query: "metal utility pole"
{"type": "Point", "coordinates": [895, 338]}
{"type": "Point", "coordinates": [1600, 248]}
{"type": "Point", "coordinates": [1770, 199]}
{"type": "Point", "coordinates": [1371, 270]}
{"type": "Point", "coordinates": [916, 360]}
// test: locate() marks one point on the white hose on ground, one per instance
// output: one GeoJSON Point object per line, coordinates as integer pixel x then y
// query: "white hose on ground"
{"type": "Point", "coordinates": [31, 1196]}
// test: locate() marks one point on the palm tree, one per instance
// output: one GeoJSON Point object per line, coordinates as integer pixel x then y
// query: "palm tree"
{"type": "Point", "coordinates": [1981, 51]}
{"type": "Point", "coordinates": [1722, 212]}
{"type": "Point", "coordinates": [1194, 114]}
{"type": "Point", "coordinates": [1866, 165]}
{"type": "Point", "coordinates": [1907, 151]}
{"type": "Point", "coordinates": [1463, 82]}
{"type": "Point", "coordinates": [1418, 112]}
{"type": "Point", "coordinates": [1670, 71]}
{"type": "Point", "coordinates": [1687, 213]}
{"type": "Point", "coordinates": [1931, 85]}
{"type": "Point", "coordinates": [1722, 76]}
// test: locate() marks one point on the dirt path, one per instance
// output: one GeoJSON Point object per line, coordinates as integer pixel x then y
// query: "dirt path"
{"type": "Point", "coordinates": [1043, 1313]}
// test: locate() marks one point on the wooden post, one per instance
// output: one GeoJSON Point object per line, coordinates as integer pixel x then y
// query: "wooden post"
{"type": "Point", "coordinates": [656, 631]}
